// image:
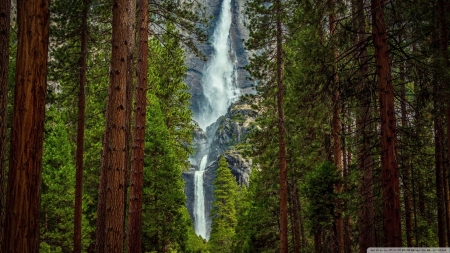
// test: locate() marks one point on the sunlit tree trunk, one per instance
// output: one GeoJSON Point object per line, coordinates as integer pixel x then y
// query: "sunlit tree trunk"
{"type": "Point", "coordinates": [25, 163]}
{"type": "Point", "coordinates": [137, 163]}
{"type": "Point", "coordinates": [114, 160]}
{"type": "Point", "coordinates": [390, 174]}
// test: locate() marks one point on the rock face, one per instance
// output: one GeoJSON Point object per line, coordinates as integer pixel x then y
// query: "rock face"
{"type": "Point", "coordinates": [227, 136]}
{"type": "Point", "coordinates": [238, 54]}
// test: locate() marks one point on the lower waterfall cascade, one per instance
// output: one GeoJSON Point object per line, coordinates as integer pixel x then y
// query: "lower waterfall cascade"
{"type": "Point", "coordinates": [199, 202]}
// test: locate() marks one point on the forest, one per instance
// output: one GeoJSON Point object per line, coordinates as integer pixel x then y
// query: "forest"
{"type": "Point", "coordinates": [348, 141]}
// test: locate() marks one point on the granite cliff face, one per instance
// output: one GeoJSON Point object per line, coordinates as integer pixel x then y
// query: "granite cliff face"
{"type": "Point", "coordinates": [238, 54]}
{"type": "Point", "coordinates": [214, 84]}
{"type": "Point", "coordinates": [228, 137]}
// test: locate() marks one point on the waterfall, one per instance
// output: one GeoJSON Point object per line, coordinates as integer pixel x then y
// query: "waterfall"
{"type": "Point", "coordinates": [219, 88]}
{"type": "Point", "coordinates": [219, 80]}
{"type": "Point", "coordinates": [199, 200]}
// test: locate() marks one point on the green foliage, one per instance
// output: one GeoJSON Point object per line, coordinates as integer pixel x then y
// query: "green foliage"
{"type": "Point", "coordinates": [195, 243]}
{"type": "Point", "coordinates": [319, 189]}
{"type": "Point", "coordinates": [164, 224]}
{"type": "Point", "coordinates": [166, 75]}
{"type": "Point", "coordinates": [223, 209]}
{"type": "Point", "coordinates": [58, 188]}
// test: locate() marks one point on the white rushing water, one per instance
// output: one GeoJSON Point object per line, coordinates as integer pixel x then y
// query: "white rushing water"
{"type": "Point", "coordinates": [199, 200]}
{"type": "Point", "coordinates": [219, 81]}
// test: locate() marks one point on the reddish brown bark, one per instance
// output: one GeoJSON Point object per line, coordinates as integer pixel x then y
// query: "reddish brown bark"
{"type": "Point", "coordinates": [293, 217]}
{"type": "Point", "coordinates": [336, 125]}
{"type": "Point", "coordinates": [131, 20]}
{"type": "Point", "coordinates": [389, 164]}
{"type": "Point", "coordinates": [101, 203]}
{"type": "Point", "coordinates": [80, 133]}
{"type": "Point", "coordinates": [5, 14]}
{"type": "Point", "coordinates": [25, 164]}
{"type": "Point", "coordinates": [114, 148]}
{"type": "Point", "coordinates": [317, 243]}
{"type": "Point", "coordinates": [137, 163]}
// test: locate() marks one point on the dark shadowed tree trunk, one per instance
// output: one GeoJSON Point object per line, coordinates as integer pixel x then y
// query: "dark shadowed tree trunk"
{"type": "Point", "coordinates": [439, 166]}
{"type": "Point", "coordinates": [389, 163]}
{"type": "Point", "coordinates": [444, 51]}
{"type": "Point", "coordinates": [25, 166]}
{"type": "Point", "coordinates": [281, 135]}
{"type": "Point", "coordinates": [5, 14]}
{"type": "Point", "coordinates": [80, 134]}
{"type": "Point", "coordinates": [405, 164]}
{"type": "Point", "coordinates": [364, 114]}
{"type": "Point", "coordinates": [336, 125]}
{"type": "Point", "coordinates": [137, 162]}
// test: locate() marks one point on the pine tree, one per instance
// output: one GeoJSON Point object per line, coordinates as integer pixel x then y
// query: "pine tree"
{"type": "Point", "coordinates": [80, 131]}
{"type": "Point", "coordinates": [223, 209]}
{"type": "Point", "coordinates": [164, 200]}
{"type": "Point", "coordinates": [21, 230]}
{"type": "Point", "coordinates": [390, 178]}
{"type": "Point", "coordinates": [112, 192]}
{"type": "Point", "coordinates": [137, 163]}
{"type": "Point", "coordinates": [58, 178]}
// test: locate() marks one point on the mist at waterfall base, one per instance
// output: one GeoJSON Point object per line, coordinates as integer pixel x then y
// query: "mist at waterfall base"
{"type": "Point", "coordinates": [219, 89]}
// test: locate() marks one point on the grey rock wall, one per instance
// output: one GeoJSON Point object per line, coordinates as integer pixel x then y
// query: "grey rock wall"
{"type": "Point", "coordinates": [238, 34]}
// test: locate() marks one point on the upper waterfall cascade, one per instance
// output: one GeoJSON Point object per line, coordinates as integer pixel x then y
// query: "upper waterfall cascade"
{"type": "Point", "coordinates": [219, 79]}
{"type": "Point", "coordinates": [219, 89]}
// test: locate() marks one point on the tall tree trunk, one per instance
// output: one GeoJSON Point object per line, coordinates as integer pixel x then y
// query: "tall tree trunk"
{"type": "Point", "coordinates": [101, 203]}
{"type": "Point", "coordinates": [390, 174]}
{"type": "Point", "coordinates": [80, 133]}
{"type": "Point", "coordinates": [131, 20]}
{"type": "Point", "coordinates": [405, 163]}
{"type": "Point", "coordinates": [5, 20]}
{"type": "Point", "coordinates": [444, 45]}
{"type": "Point", "coordinates": [439, 166]}
{"type": "Point", "coordinates": [318, 242]}
{"type": "Point", "coordinates": [295, 217]}
{"type": "Point", "coordinates": [366, 214]}
{"type": "Point", "coordinates": [114, 165]}
{"type": "Point", "coordinates": [137, 163]}
{"type": "Point", "coordinates": [281, 135]}
{"type": "Point", "coordinates": [336, 125]}
{"type": "Point", "coordinates": [25, 166]}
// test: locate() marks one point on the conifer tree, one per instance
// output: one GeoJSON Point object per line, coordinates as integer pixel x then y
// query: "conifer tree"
{"type": "Point", "coordinates": [5, 21]}
{"type": "Point", "coordinates": [112, 192]}
{"type": "Point", "coordinates": [21, 229]}
{"type": "Point", "coordinates": [163, 226]}
{"type": "Point", "coordinates": [223, 209]}
{"type": "Point", "coordinates": [390, 178]}
{"type": "Point", "coordinates": [137, 163]}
